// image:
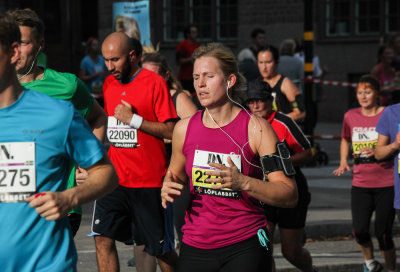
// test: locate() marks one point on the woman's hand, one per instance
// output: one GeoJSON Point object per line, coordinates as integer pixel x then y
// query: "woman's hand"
{"type": "Point", "coordinates": [367, 152]}
{"type": "Point", "coordinates": [341, 169]}
{"type": "Point", "coordinates": [229, 177]}
{"type": "Point", "coordinates": [172, 188]}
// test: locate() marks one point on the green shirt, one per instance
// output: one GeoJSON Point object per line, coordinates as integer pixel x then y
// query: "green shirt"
{"type": "Point", "coordinates": [65, 86]}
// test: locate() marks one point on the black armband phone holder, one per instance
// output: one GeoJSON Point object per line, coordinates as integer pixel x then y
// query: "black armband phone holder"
{"type": "Point", "coordinates": [279, 161]}
{"type": "Point", "coordinates": [299, 103]}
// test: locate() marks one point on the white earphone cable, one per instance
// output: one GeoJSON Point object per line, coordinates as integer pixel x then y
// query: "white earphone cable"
{"type": "Point", "coordinates": [254, 131]}
{"type": "Point", "coordinates": [33, 62]}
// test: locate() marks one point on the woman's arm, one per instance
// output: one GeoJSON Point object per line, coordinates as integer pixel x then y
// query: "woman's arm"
{"type": "Point", "coordinates": [344, 153]}
{"type": "Point", "coordinates": [290, 91]}
{"type": "Point", "coordinates": [176, 177]}
{"type": "Point", "coordinates": [384, 149]}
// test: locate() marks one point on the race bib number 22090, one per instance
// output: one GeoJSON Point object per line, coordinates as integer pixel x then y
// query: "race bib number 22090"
{"type": "Point", "coordinates": [120, 134]}
{"type": "Point", "coordinates": [17, 171]}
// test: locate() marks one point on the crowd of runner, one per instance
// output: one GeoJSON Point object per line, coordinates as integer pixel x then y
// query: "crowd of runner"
{"type": "Point", "coordinates": [214, 158]}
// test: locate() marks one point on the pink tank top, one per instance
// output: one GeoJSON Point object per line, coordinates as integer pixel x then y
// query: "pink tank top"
{"type": "Point", "coordinates": [219, 218]}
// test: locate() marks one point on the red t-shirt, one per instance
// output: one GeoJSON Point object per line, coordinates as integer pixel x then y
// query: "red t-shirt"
{"type": "Point", "coordinates": [185, 49]}
{"type": "Point", "coordinates": [360, 131]}
{"type": "Point", "coordinates": [145, 165]}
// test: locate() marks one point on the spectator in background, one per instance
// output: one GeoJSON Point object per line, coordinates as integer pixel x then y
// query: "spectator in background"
{"type": "Point", "coordinates": [247, 57]}
{"type": "Point", "coordinates": [385, 72]}
{"type": "Point", "coordinates": [318, 92]}
{"type": "Point", "coordinates": [287, 98]}
{"type": "Point", "coordinates": [394, 43]}
{"type": "Point", "coordinates": [184, 58]}
{"type": "Point", "coordinates": [93, 69]}
{"type": "Point", "coordinates": [289, 65]}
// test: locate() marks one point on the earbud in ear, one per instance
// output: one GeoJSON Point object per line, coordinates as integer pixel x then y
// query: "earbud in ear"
{"type": "Point", "coordinates": [229, 83]}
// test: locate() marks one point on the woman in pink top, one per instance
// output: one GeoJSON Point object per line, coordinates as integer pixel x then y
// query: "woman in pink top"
{"type": "Point", "coordinates": [218, 151]}
{"type": "Point", "coordinates": [385, 72]}
{"type": "Point", "coordinates": [372, 186]}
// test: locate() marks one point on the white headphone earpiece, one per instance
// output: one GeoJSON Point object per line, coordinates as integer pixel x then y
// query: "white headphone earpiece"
{"type": "Point", "coordinates": [229, 83]}
{"type": "Point", "coordinates": [38, 51]}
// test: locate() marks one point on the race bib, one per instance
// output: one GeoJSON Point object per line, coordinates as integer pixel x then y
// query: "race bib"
{"type": "Point", "coordinates": [274, 106]}
{"type": "Point", "coordinates": [17, 171]}
{"type": "Point", "coordinates": [120, 134]}
{"type": "Point", "coordinates": [364, 139]}
{"type": "Point", "coordinates": [200, 167]}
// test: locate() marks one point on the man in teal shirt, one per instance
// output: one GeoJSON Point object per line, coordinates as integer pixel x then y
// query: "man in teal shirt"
{"type": "Point", "coordinates": [39, 136]}
{"type": "Point", "coordinates": [64, 86]}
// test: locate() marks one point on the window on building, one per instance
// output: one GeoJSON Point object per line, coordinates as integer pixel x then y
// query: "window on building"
{"type": "Point", "coordinates": [337, 17]}
{"type": "Point", "coordinates": [360, 18]}
{"type": "Point", "coordinates": [216, 19]}
{"type": "Point", "coordinates": [367, 17]}
{"type": "Point", "coordinates": [392, 18]}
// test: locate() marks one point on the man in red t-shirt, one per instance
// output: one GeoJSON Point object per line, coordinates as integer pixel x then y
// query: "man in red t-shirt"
{"type": "Point", "coordinates": [291, 221]}
{"type": "Point", "coordinates": [140, 114]}
{"type": "Point", "coordinates": [184, 52]}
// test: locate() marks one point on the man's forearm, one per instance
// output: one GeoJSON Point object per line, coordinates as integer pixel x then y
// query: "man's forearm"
{"type": "Point", "coordinates": [157, 129]}
{"type": "Point", "coordinates": [101, 181]}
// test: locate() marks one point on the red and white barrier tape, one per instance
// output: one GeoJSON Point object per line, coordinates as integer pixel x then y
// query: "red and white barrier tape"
{"type": "Point", "coordinates": [330, 82]}
{"type": "Point", "coordinates": [324, 137]}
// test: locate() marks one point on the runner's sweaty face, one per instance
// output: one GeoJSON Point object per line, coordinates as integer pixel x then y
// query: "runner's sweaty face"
{"type": "Point", "coordinates": [266, 64]}
{"type": "Point", "coordinates": [117, 60]}
{"type": "Point", "coordinates": [209, 81]}
{"type": "Point", "coordinates": [367, 97]}
{"type": "Point", "coordinates": [29, 49]}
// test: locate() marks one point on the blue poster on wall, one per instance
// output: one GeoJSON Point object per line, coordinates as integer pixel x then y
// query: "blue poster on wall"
{"type": "Point", "coordinates": [133, 18]}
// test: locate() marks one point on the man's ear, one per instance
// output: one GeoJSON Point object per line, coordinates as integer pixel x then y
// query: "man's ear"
{"type": "Point", "coordinates": [132, 56]}
{"type": "Point", "coordinates": [15, 52]}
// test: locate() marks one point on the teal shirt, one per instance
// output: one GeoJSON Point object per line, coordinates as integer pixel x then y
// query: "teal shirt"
{"type": "Point", "coordinates": [59, 133]}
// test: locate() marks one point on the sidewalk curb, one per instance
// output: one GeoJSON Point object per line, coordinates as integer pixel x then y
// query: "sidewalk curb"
{"type": "Point", "coordinates": [325, 230]}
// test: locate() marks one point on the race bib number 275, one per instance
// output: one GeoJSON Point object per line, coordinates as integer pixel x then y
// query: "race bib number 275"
{"type": "Point", "coordinates": [17, 171]}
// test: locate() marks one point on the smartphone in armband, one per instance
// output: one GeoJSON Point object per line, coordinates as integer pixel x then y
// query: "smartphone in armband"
{"type": "Point", "coordinates": [279, 161]}
{"type": "Point", "coordinates": [284, 155]}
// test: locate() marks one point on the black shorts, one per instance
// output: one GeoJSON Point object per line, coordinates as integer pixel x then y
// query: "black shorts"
{"type": "Point", "coordinates": [132, 213]}
{"type": "Point", "coordinates": [248, 255]}
{"type": "Point", "coordinates": [75, 221]}
{"type": "Point", "coordinates": [291, 218]}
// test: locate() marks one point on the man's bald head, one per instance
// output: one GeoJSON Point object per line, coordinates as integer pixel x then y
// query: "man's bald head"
{"type": "Point", "coordinates": [119, 41]}
{"type": "Point", "coordinates": [119, 54]}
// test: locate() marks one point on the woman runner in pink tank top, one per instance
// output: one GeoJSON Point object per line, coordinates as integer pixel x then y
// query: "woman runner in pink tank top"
{"type": "Point", "coordinates": [217, 151]}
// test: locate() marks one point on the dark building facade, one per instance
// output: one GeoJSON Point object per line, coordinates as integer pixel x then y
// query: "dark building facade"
{"type": "Point", "coordinates": [346, 32]}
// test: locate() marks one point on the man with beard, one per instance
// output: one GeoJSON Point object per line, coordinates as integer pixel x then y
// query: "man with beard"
{"type": "Point", "coordinates": [140, 115]}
